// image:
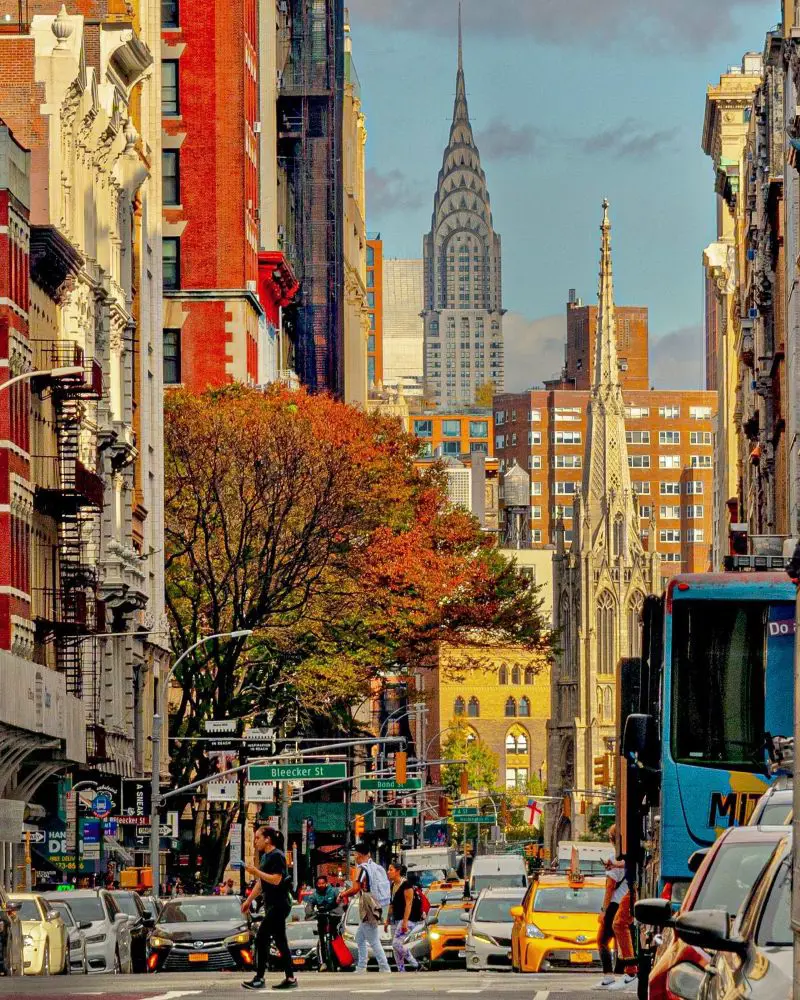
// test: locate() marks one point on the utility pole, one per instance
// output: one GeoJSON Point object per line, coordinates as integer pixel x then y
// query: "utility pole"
{"type": "Point", "coordinates": [242, 834]}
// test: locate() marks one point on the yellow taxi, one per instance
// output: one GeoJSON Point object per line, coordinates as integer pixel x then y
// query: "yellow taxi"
{"type": "Point", "coordinates": [447, 934]}
{"type": "Point", "coordinates": [556, 925]}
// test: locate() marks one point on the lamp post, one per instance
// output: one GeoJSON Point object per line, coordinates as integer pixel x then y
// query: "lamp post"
{"type": "Point", "coordinates": [155, 784]}
{"type": "Point", "coordinates": [69, 371]}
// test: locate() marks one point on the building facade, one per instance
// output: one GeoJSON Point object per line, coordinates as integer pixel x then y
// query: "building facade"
{"type": "Point", "coordinates": [463, 312]}
{"type": "Point", "coordinates": [599, 586]}
{"type": "Point", "coordinates": [82, 627]}
{"type": "Point", "coordinates": [791, 234]}
{"type": "Point", "coordinates": [403, 332]}
{"type": "Point", "coordinates": [633, 345]}
{"type": "Point", "coordinates": [375, 311]}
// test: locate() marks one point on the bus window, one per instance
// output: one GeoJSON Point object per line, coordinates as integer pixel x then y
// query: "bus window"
{"type": "Point", "coordinates": [718, 683]}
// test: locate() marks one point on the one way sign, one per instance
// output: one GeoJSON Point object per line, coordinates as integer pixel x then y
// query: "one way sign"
{"type": "Point", "coordinates": [38, 837]}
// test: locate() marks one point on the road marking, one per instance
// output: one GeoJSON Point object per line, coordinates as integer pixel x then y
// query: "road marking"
{"type": "Point", "coordinates": [466, 991]}
{"type": "Point", "coordinates": [541, 995]}
{"type": "Point", "coordinates": [174, 994]}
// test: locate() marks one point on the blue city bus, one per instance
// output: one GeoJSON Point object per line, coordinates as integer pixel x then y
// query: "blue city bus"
{"type": "Point", "coordinates": [714, 682]}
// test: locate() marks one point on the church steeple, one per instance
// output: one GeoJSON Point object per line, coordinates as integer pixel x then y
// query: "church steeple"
{"type": "Point", "coordinates": [609, 507]}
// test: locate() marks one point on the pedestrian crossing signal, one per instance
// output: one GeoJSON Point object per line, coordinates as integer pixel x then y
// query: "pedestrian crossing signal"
{"type": "Point", "coordinates": [359, 826]}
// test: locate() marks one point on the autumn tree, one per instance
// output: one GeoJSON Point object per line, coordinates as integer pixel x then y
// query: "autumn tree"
{"type": "Point", "coordinates": [481, 763]}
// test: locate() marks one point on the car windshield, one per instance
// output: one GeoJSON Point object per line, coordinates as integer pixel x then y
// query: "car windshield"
{"type": "Point", "coordinates": [201, 911]}
{"type": "Point", "coordinates": [568, 900]}
{"type": "Point", "coordinates": [776, 813]}
{"type": "Point", "coordinates": [425, 876]}
{"type": "Point", "coordinates": [127, 903]}
{"type": "Point", "coordinates": [495, 910]}
{"type": "Point", "coordinates": [497, 882]}
{"type": "Point", "coordinates": [86, 908]}
{"type": "Point", "coordinates": [28, 910]}
{"type": "Point", "coordinates": [450, 917]}
{"type": "Point", "coordinates": [775, 929]}
{"type": "Point", "coordinates": [301, 931]}
{"type": "Point", "coordinates": [732, 874]}
{"type": "Point", "coordinates": [65, 913]}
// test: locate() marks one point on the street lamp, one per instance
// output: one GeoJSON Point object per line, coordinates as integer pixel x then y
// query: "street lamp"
{"type": "Point", "coordinates": [68, 372]}
{"type": "Point", "coordinates": [155, 783]}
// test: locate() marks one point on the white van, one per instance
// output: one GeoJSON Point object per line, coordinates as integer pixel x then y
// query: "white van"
{"type": "Point", "coordinates": [497, 871]}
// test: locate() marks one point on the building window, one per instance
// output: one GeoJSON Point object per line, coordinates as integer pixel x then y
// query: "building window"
{"type": "Point", "coordinates": [635, 606]}
{"type": "Point", "coordinates": [524, 708]}
{"type": "Point", "coordinates": [637, 437]}
{"type": "Point", "coordinates": [371, 300]}
{"type": "Point", "coordinates": [170, 174]}
{"type": "Point", "coordinates": [700, 412]}
{"type": "Point", "coordinates": [516, 676]}
{"type": "Point", "coordinates": [503, 675]}
{"type": "Point", "coordinates": [451, 428]}
{"type": "Point", "coordinates": [645, 511]}
{"type": "Point", "coordinates": [479, 428]}
{"type": "Point", "coordinates": [637, 412]}
{"type": "Point", "coordinates": [641, 489]}
{"type": "Point", "coordinates": [425, 450]}
{"type": "Point", "coordinates": [700, 437]}
{"type": "Point", "coordinates": [565, 489]}
{"type": "Point", "coordinates": [171, 253]}
{"type": "Point", "coordinates": [451, 448]}
{"type": "Point", "coordinates": [474, 708]}
{"type": "Point", "coordinates": [459, 708]}
{"type": "Point", "coordinates": [670, 489]}
{"type": "Point", "coordinates": [170, 91]}
{"type": "Point", "coordinates": [534, 437]}
{"type": "Point", "coordinates": [536, 513]}
{"type": "Point", "coordinates": [567, 437]}
{"type": "Point", "coordinates": [172, 357]}
{"type": "Point", "coordinates": [701, 461]}
{"type": "Point", "coordinates": [694, 535]}
{"type": "Point", "coordinates": [567, 462]}
{"type": "Point", "coordinates": [516, 741]}
{"type": "Point", "coordinates": [423, 428]}
{"type": "Point", "coordinates": [371, 321]}
{"type": "Point", "coordinates": [669, 461]}
{"type": "Point", "coordinates": [169, 13]}
{"type": "Point", "coordinates": [672, 535]}
{"type": "Point", "coordinates": [638, 461]}
{"type": "Point", "coordinates": [669, 412]}
{"type": "Point", "coordinates": [516, 778]}
{"type": "Point", "coordinates": [370, 256]}
{"type": "Point", "coordinates": [371, 370]}
{"type": "Point", "coordinates": [529, 675]}
{"type": "Point", "coordinates": [535, 416]}
{"type": "Point", "coordinates": [605, 633]}
{"type": "Point", "coordinates": [511, 708]}
{"type": "Point", "coordinates": [536, 536]}
{"type": "Point", "coordinates": [669, 437]}
{"type": "Point", "coordinates": [670, 512]}
{"type": "Point", "coordinates": [479, 448]}
{"type": "Point", "coordinates": [695, 512]}
{"type": "Point", "coordinates": [371, 344]}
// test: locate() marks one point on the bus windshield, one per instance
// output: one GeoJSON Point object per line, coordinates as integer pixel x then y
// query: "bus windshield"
{"type": "Point", "coordinates": [718, 683]}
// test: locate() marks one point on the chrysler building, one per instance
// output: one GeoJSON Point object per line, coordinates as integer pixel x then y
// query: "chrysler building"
{"type": "Point", "coordinates": [463, 299]}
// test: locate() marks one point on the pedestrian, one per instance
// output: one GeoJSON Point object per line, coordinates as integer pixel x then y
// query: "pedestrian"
{"type": "Point", "coordinates": [405, 914]}
{"type": "Point", "coordinates": [615, 922]}
{"type": "Point", "coordinates": [373, 891]}
{"type": "Point", "coordinates": [323, 904]}
{"type": "Point", "coordinates": [273, 887]}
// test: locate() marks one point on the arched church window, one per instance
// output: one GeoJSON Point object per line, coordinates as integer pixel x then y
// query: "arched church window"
{"type": "Point", "coordinates": [459, 707]}
{"type": "Point", "coordinates": [503, 675]}
{"type": "Point", "coordinates": [516, 677]}
{"type": "Point", "coordinates": [524, 707]}
{"type": "Point", "coordinates": [474, 708]}
{"type": "Point", "coordinates": [635, 624]}
{"type": "Point", "coordinates": [605, 633]}
{"type": "Point", "coordinates": [511, 708]}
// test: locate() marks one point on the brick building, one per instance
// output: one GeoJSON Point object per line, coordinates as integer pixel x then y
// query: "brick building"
{"type": "Point", "coordinates": [632, 336]}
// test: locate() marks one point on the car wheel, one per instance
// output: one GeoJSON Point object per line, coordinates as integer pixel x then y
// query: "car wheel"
{"type": "Point", "coordinates": [46, 961]}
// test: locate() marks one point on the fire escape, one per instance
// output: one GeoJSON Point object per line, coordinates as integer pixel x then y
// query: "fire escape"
{"type": "Point", "coordinates": [310, 145]}
{"type": "Point", "coordinates": [72, 495]}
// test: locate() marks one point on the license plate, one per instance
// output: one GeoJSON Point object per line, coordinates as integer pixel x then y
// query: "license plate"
{"type": "Point", "coordinates": [299, 961]}
{"type": "Point", "coordinates": [198, 956]}
{"type": "Point", "coordinates": [580, 957]}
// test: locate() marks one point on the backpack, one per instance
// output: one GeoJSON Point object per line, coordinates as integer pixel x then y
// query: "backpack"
{"type": "Point", "coordinates": [422, 904]}
{"type": "Point", "coordinates": [378, 883]}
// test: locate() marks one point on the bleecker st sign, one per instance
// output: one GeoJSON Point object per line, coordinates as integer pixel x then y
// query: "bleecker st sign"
{"type": "Point", "coordinates": [296, 772]}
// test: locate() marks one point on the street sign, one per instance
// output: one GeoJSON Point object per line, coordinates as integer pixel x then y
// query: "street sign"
{"type": "Point", "coordinates": [38, 837]}
{"type": "Point", "coordinates": [229, 726]}
{"type": "Point", "coordinates": [225, 732]}
{"type": "Point", "coordinates": [465, 815]}
{"type": "Point", "coordinates": [388, 784]}
{"type": "Point", "coordinates": [165, 830]}
{"type": "Point", "coordinates": [397, 813]}
{"type": "Point", "coordinates": [259, 791]}
{"type": "Point", "coordinates": [102, 805]}
{"type": "Point", "coordinates": [223, 791]}
{"type": "Point", "coordinates": [91, 832]}
{"type": "Point", "coordinates": [135, 798]}
{"type": "Point", "coordinates": [259, 743]}
{"type": "Point", "coordinates": [607, 809]}
{"type": "Point", "coordinates": [296, 772]}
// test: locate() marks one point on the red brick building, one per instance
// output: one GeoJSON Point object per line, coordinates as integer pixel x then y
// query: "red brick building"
{"type": "Point", "coordinates": [221, 309]}
{"type": "Point", "coordinates": [632, 338]}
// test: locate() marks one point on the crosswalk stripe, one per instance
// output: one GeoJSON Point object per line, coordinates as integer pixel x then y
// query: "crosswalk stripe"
{"type": "Point", "coordinates": [541, 995]}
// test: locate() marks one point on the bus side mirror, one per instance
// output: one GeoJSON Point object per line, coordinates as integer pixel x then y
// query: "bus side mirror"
{"type": "Point", "coordinates": [696, 859]}
{"type": "Point", "coordinates": [640, 739]}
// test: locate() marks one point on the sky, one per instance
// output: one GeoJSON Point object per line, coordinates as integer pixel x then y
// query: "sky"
{"type": "Point", "coordinates": [571, 101]}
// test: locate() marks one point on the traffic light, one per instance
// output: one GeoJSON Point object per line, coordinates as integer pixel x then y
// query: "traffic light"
{"type": "Point", "coordinates": [464, 782]}
{"type": "Point", "coordinates": [445, 806]}
{"type": "Point", "coordinates": [400, 767]}
{"type": "Point", "coordinates": [359, 826]}
{"type": "Point", "coordinates": [602, 771]}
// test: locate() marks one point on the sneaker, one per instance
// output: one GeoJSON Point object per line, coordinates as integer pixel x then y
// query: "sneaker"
{"type": "Point", "coordinates": [255, 984]}
{"type": "Point", "coordinates": [625, 982]}
{"type": "Point", "coordinates": [607, 983]}
{"type": "Point", "coordinates": [287, 984]}
{"type": "Point", "coordinates": [360, 972]}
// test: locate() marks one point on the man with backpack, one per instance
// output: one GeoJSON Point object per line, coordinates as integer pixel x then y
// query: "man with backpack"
{"type": "Point", "coordinates": [405, 914]}
{"type": "Point", "coordinates": [373, 891]}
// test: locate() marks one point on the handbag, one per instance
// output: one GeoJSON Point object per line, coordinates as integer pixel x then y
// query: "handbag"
{"type": "Point", "coordinates": [369, 910]}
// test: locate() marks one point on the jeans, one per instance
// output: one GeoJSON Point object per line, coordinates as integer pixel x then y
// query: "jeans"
{"type": "Point", "coordinates": [369, 936]}
{"type": "Point", "coordinates": [401, 952]}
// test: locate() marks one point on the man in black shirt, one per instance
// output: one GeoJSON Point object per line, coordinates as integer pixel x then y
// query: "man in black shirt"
{"type": "Point", "coordinates": [272, 888]}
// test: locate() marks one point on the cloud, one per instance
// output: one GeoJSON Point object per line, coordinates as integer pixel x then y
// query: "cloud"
{"type": "Point", "coordinates": [676, 359]}
{"type": "Point", "coordinates": [501, 140]}
{"type": "Point", "coordinates": [534, 349]}
{"type": "Point", "coordinates": [391, 192]}
{"type": "Point", "coordinates": [693, 23]}
{"type": "Point", "coordinates": [628, 139]}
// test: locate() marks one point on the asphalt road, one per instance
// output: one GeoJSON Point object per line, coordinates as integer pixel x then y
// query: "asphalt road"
{"type": "Point", "coordinates": [317, 986]}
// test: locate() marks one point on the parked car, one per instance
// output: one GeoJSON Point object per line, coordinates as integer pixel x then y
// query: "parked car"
{"type": "Point", "coordinates": [140, 922]}
{"type": "Point", "coordinates": [44, 936]}
{"type": "Point", "coordinates": [303, 938]}
{"type": "Point", "coordinates": [201, 933]}
{"type": "Point", "coordinates": [11, 948]}
{"type": "Point", "coordinates": [775, 807]}
{"type": "Point", "coordinates": [556, 925]}
{"type": "Point", "coordinates": [76, 933]}
{"type": "Point", "coordinates": [350, 926]}
{"type": "Point", "coordinates": [108, 935]}
{"type": "Point", "coordinates": [488, 944]}
{"type": "Point", "coordinates": [727, 873]}
{"type": "Point", "coordinates": [753, 956]}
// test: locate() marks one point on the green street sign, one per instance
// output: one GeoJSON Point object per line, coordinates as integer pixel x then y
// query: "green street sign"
{"type": "Point", "coordinates": [296, 772]}
{"type": "Point", "coordinates": [607, 809]}
{"type": "Point", "coordinates": [398, 813]}
{"type": "Point", "coordinates": [465, 815]}
{"type": "Point", "coordinates": [388, 784]}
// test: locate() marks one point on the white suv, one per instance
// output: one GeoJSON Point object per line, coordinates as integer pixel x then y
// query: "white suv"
{"type": "Point", "coordinates": [108, 936]}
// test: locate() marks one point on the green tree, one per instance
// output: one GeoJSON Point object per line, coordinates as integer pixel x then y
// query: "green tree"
{"type": "Point", "coordinates": [481, 763]}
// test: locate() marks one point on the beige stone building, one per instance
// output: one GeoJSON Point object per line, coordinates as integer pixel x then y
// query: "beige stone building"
{"type": "Point", "coordinates": [599, 587]}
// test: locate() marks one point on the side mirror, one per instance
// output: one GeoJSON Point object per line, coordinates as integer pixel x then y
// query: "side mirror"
{"type": "Point", "coordinates": [640, 738]}
{"type": "Point", "coordinates": [697, 859]}
{"type": "Point", "coordinates": [709, 930]}
{"type": "Point", "coordinates": [13, 907]}
{"type": "Point", "coordinates": [464, 918]}
{"type": "Point", "coordinates": [517, 912]}
{"type": "Point", "coordinates": [653, 912]}
{"type": "Point", "coordinates": [120, 918]}
{"type": "Point", "coordinates": [148, 920]}
{"type": "Point", "coordinates": [85, 925]}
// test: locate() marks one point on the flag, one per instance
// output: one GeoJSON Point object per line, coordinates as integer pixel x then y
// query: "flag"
{"type": "Point", "coordinates": [534, 814]}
